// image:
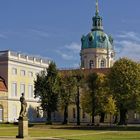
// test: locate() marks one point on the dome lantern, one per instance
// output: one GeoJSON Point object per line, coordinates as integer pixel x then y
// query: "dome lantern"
{"type": "Point", "coordinates": [97, 50]}
{"type": "Point", "coordinates": [97, 20]}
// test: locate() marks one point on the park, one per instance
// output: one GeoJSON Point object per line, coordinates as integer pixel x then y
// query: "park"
{"type": "Point", "coordinates": [70, 132]}
{"type": "Point", "coordinates": [97, 99]}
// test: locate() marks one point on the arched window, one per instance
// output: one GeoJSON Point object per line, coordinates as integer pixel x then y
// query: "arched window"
{"type": "Point", "coordinates": [102, 64]}
{"type": "Point", "coordinates": [95, 23]}
{"type": "Point", "coordinates": [1, 113]}
{"type": "Point", "coordinates": [91, 64]}
{"type": "Point", "coordinates": [98, 22]}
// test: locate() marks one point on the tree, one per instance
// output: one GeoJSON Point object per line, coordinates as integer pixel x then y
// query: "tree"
{"type": "Point", "coordinates": [79, 81]}
{"type": "Point", "coordinates": [89, 100]}
{"type": "Point", "coordinates": [102, 95]}
{"type": "Point", "coordinates": [110, 107]}
{"type": "Point", "coordinates": [93, 97]}
{"type": "Point", "coordinates": [46, 88]}
{"type": "Point", "coordinates": [124, 79]}
{"type": "Point", "coordinates": [66, 92]}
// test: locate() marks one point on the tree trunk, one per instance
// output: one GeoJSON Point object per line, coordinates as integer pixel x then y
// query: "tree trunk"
{"type": "Point", "coordinates": [78, 106]}
{"type": "Point", "coordinates": [93, 114]}
{"type": "Point", "coordinates": [122, 117]}
{"type": "Point", "coordinates": [65, 115]}
{"type": "Point", "coordinates": [93, 108]}
{"type": "Point", "coordinates": [102, 117]}
{"type": "Point", "coordinates": [110, 119]}
{"type": "Point", "coordinates": [49, 121]}
{"type": "Point", "coordinates": [93, 120]}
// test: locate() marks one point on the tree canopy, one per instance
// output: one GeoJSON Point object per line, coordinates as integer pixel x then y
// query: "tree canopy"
{"type": "Point", "coordinates": [47, 88]}
{"type": "Point", "coordinates": [124, 79]}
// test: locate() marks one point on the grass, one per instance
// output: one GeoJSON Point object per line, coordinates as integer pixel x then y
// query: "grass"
{"type": "Point", "coordinates": [76, 133]}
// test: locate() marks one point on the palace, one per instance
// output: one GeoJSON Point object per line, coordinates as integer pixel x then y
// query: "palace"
{"type": "Point", "coordinates": [97, 50]}
{"type": "Point", "coordinates": [19, 72]}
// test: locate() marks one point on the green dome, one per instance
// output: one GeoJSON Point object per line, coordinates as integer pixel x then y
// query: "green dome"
{"type": "Point", "coordinates": [97, 39]}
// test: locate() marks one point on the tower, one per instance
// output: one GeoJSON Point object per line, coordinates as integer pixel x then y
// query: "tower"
{"type": "Point", "coordinates": [97, 49]}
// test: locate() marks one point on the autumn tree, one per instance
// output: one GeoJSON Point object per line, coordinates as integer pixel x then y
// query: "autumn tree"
{"type": "Point", "coordinates": [110, 107]}
{"type": "Point", "coordinates": [46, 89]}
{"type": "Point", "coordinates": [66, 93]}
{"type": "Point", "coordinates": [94, 95]}
{"type": "Point", "coordinates": [124, 79]}
{"type": "Point", "coordinates": [102, 93]}
{"type": "Point", "coordinates": [78, 75]}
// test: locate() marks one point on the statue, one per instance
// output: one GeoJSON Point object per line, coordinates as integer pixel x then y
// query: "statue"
{"type": "Point", "coordinates": [23, 106]}
{"type": "Point", "coordinates": [23, 120]}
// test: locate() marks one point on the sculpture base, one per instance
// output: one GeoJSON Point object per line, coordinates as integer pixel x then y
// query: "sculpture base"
{"type": "Point", "coordinates": [22, 127]}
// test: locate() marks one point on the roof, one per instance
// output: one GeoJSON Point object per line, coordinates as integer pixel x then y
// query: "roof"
{"type": "Point", "coordinates": [97, 39]}
{"type": "Point", "coordinates": [87, 71]}
{"type": "Point", "coordinates": [2, 85]}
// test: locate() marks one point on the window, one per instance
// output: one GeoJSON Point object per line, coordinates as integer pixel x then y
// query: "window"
{"type": "Point", "coordinates": [136, 116]}
{"type": "Point", "coordinates": [30, 74]}
{"type": "Point", "coordinates": [14, 112]}
{"type": "Point", "coordinates": [22, 88]}
{"type": "Point", "coordinates": [74, 115]}
{"type": "Point", "coordinates": [91, 64]}
{"type": "Point", "coordinates": [102, 64]}
{"type": "Point", "coordinates": [1, 113]}
{"type": "Point", "coordinates": [22, 72]}
{"type": "Point", "coordinates": [14, 71]}
{"type": "Point", "coordinates": [14, 89]}
{"type": "Point", "coordinates": [30, 91]}
{"type": "Point", "coordinates": [95, 23]}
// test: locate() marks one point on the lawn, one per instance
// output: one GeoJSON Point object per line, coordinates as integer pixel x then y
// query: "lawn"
{"type": "Point", "coordinates": [74, 133]}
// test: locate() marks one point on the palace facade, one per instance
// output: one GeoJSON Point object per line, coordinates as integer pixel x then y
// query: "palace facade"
{"type": "Point", "coordinates": [19, 71]}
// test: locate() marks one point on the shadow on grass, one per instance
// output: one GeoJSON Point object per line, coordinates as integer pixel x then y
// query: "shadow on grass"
{"type": "Point", "coordinates": [104, 128]}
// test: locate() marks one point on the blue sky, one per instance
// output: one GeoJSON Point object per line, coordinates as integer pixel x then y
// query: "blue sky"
{"type": "Point", "coordinates": [53, 28]}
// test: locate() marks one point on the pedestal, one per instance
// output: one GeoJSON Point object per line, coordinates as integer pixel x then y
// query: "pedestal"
{"type": "Point", "coordinates": [22, 127]}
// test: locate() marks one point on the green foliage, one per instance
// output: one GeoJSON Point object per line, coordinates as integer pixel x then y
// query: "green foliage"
{"type": "Point", "coordinates": [89, 94]}
{"type": "Point", "coordinates": [95, 94]}
{"type": "Point", "coordinates": [67, 92]}
{"type": "Point", "coordinates": [124, 79]}
{"type": "Point", "coordinates": [110, 106]}
{"type": "Point", "coordinates": [47, 87]}
{"type": "Point", "coordinates": [79, 78]}
{"type": "Point", "coordinates": [67, 89]}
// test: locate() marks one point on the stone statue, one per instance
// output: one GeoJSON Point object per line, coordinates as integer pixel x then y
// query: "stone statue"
{"type": "Point", "coordinates": [23, 119]}
{"type": "Point", "coordinates": [23, 106]}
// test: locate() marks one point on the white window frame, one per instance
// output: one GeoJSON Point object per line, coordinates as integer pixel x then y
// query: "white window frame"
{"type": "Point", "coordinates": [14, 71]}
{"type": "Point", "coordinates": [30, 74]}
{"type": "Point", "coordinates": [91, 64]}
{"type": "Point", "coordinates": [30, 91]}
{"type": "Point", "coordinates": [102, 63]}
{"type": "Point", "coordinates": [1, 111]}
{"type": "Point", "coordinates": [14, 112]}
{"type": "Point", "coordinates": [14, 91]}
{"type": "Point", "coordinates": [22, 88]}
{"type": "Point", "coordinates": [22, 72]}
